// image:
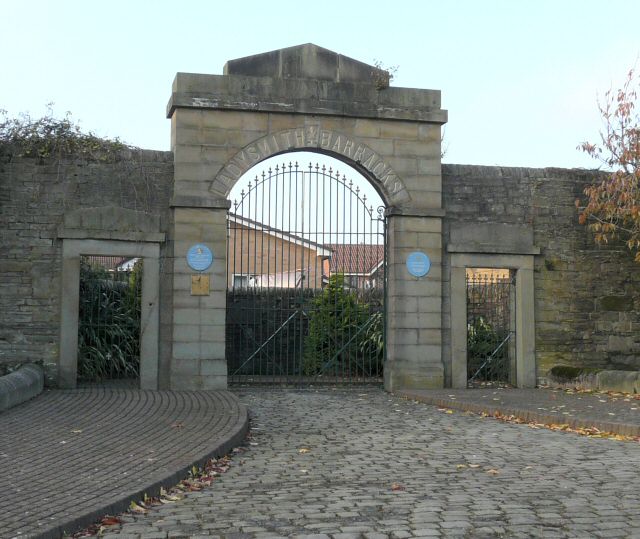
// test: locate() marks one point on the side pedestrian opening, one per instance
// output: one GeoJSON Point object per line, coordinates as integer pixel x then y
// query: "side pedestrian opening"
{"type": "Point", "coordinates": [306, 275]}
{"type": "Point", "coordinates": [109, 318]}
{"type": "Point", "coordinates": [491, 343]}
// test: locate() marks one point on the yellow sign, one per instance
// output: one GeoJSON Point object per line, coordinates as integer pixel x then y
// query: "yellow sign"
{"type": "Point", "coordinates": [200, 285]}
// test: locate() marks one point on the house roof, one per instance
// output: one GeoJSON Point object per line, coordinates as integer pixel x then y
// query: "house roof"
{"type": "Point", "coordinates": [107, 262]}
{"type": "Point", "coordinates": [347, 258]}
{"type": "Point", "coordinates": [355, 258]}
{"type": "Point", "coordinates": [321, 250]}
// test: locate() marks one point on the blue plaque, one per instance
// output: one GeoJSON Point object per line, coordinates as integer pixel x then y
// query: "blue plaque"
{"type": "Point", "coordinates": [199, 257]}
{"type": "Point", "coordinates": [418, 264]}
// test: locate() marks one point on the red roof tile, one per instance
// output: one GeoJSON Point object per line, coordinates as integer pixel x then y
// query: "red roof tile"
{"type": "Point", "coordinates": [355, 258]}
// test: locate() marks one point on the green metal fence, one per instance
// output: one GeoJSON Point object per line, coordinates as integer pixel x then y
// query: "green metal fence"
{"type": "Point", "coordinates": [490, 328]}
{"type": "Point", "coordinates": [109, 318]}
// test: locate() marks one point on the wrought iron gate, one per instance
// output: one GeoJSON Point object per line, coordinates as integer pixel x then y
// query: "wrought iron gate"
{"type": "Point", "coordinates": [109, 318]}
{"type": "Point", "coordinates": [306, 276]}
{"type": "Point", "coordinates": [490, 326]}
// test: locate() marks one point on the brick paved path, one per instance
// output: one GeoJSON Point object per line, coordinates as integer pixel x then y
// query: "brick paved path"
{"type": "Point", "coordinates": [454, 475]}
{"type": "Point", "coordinates": [67, 457]}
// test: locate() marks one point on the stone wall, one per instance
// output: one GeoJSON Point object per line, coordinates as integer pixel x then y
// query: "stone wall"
{"type": "Point", "coordinates": [587, 308]}
{"type": "Point", "coordinates": [34, 196]}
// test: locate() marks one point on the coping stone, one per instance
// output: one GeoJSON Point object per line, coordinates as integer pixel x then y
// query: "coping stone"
{"type": "Point", "coordinates": [20, 386]}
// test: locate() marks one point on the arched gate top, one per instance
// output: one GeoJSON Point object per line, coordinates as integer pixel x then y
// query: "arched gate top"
{"type": "Point", "coordinates": [315, 138]}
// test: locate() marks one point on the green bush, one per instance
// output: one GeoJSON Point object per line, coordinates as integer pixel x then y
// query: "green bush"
{"type": "Point", "coordinates": [345, 336]}
{"type": "Point", "coordinates": [482, 341]}
{"type": "Point", "coordinates": [109, 324]}
{"type": "Point", "coordinates": [373, 340]}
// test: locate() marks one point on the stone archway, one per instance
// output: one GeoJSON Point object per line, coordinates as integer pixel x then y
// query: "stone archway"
{"type": "Point", "coordinates": [305, 275]}
{"type": "Point", "coordinates": [307, 98]}
{"type": "Point", "coordinates": [315, 138]}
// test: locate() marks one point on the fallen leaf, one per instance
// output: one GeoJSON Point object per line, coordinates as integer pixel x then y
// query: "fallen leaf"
{"type": "Point", "coordinates": [493, 471]}
{"type": "Point", "coordinates": [76, 431]}
{"type": "Point", "coordinates": [303, 450]}
{"type": "Point", "coordinates": [177, 425]}
{"type": "Point", "coordinates": [461, 466]}
{"type": "Point", "coordinates": [474, 465]}
{"type": "Point", "coordinates": [396, 487]}
{"type": "Point", "coordinates": [110, 521]}
{"type": "Point", "coordinates": [133, 506]}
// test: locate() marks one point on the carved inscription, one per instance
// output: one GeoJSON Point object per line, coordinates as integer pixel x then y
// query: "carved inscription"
{"type": "Point", "coordinates": [309, 137]}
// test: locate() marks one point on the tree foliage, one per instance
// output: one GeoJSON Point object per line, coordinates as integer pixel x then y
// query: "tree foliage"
{"type": "Point", "coordinates": [612, 209]}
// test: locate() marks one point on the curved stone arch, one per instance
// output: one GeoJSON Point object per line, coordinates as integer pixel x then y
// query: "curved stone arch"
{"type": "Point", "coordinates": [317, 139]}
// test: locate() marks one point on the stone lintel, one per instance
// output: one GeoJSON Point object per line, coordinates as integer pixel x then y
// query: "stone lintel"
{"type": "Point", "coordinates": [495, 238]}
{"type": "Point", "coordinates": [83, 233]}
{"type": "Point", "coordinates": [304, 96]}
{"type": "Point", "coordinates": [197, 201]}
{"type": "Point", "coordinates": [112, 219]}
{"type": "Point", "coordinates": [491, 249]}
{"type": "Point", "coordinates": [414, 212]}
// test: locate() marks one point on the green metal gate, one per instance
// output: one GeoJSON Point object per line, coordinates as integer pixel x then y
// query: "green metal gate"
{"type": "Point", "coordinates": [109, 318]}
{"type": "Point", "coordinates": [490, 327]}
{"type": "Point", "coordinates": [306, 280]}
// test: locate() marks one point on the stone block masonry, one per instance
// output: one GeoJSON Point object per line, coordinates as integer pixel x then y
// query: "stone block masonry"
{"type": "Point", "coordinates": [223, 125]}
{"type": "Point", "coordinates": [34, 197]}
{"type": "Point", "coordinates": [586, 308]}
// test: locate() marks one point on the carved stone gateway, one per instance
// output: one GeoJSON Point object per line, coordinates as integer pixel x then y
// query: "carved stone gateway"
{"type": "Point", "coordinates": [171, 210]}
{"type": "Point", "coordinates": [305, 98]}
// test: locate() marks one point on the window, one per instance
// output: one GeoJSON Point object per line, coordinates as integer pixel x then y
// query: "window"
{"type": "Point", "coordinates": [242, 280]}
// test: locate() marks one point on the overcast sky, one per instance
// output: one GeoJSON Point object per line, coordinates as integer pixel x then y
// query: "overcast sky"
{"type": "Point", "coordinates": [520, 79]}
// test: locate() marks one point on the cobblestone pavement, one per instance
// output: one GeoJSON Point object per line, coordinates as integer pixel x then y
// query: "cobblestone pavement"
{"type": "Point", "coordinates": [615, 413]}
{"type": "Point", "coordinates": [69, 456]}
{"type": "Point", "coordinates": [366, 464]}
